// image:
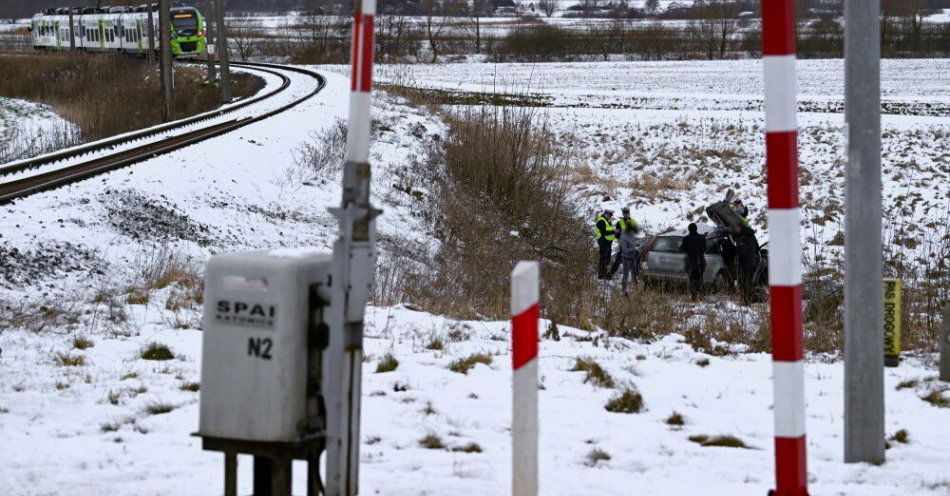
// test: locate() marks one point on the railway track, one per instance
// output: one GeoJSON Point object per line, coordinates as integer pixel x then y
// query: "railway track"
{"type": "Point", "coordinates": [67, 174]}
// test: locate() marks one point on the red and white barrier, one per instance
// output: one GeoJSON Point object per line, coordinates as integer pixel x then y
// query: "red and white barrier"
{"type": "Point", "coordinates": [357, 143]}
{"type": "Point", "coordinates": [785, 270]}
{"type": "Point", "coordinates": [525, 312]}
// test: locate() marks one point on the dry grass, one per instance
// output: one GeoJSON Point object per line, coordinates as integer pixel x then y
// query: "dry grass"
{"type": "Point", "coordinates": [595, 456]}
{"type": "Point", "coordinates": [463, 365]}
{"type": "Point", "coordinates": [156, 351]}
{"type": "Point", "coordinates": [81, 343]}
{"type": "Point", "coordinates": [68, 360]}
{"type": "Point", "coordinates": [432, 441]}
{"type": "Point", "coordinates": [595, 374]}
{"type": "Point", "coordinates": [387, 363]}
{"type": "Point", "coordinates": [724, 441]}
{"type": "Point", "coordinates": [675, 419]}
{"type": "Point", "coordinates": [629, 401]}
{"type": "Point", "coordinates": [118, 93]}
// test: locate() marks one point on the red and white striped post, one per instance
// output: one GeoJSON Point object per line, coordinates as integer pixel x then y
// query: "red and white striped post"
{"type": "Point", "coordinates": [525, 311]}
{"type": "Point", "coordinates": [785, 270]}
{"type": "Point", "coordinates": [361, 81]}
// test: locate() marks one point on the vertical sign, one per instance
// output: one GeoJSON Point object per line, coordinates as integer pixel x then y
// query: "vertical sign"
{"type": "Point", "coordinates": [785, 264]}
{"type": "Point", "coordinates": [525, 311]}
{"type": "Point", "coordinates": [892, 322]}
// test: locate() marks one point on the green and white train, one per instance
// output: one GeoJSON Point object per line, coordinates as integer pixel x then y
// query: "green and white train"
{"type": "Point", "coordinates": [117, 29]}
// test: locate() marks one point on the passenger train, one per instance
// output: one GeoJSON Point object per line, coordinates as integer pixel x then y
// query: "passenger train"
{"type": "Point", "coordinates": [117, 29]}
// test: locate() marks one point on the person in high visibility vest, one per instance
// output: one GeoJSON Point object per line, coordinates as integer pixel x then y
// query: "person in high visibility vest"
{"type": "Point", "coordinates": [606, 234]}
{"type": "Point", "coordinates": [622, 225]}
{"type": "Point", "coordinates": [742, 211]}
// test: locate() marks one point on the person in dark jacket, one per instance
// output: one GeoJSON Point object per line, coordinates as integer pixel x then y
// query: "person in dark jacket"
{"type": "Point", "coordinates": [605, 233]}
{"type": "Point", "coordinates": [741, 210]}
{"type": "Point", "coordinates": [694, 246]}
{"type": "Point", "coordinates": [630, 256]}
{"type": "Point", "coordinates": [747, 260]}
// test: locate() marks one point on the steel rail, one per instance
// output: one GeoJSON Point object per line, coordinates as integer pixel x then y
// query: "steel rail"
{"type": "Point", "coordinates": [66, 175]}
{"type": "Point", "coordinates": [108, 143]}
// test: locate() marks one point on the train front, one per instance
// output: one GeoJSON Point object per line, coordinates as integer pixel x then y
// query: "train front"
{"type": "Point", "coordinates": [188, 38]}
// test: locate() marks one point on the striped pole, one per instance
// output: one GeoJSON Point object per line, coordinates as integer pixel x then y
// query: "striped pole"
{"type": "Point", "coordinates": [354, 261]}
{"type": "Point", "coordinates": [525, 312]}
{"type": "Point", "coordinates": [785, 270]}
{"type": "Point", "coordinates": [361, 82]}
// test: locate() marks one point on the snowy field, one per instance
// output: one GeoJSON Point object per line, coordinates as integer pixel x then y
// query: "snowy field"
{"type": "Point", "coordinates": [81, 419]}
{"type": "Point", "coordinates": [669, 138]}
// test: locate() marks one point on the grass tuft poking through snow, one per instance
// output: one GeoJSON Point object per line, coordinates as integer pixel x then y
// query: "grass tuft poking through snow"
{"type": "Point", "coordinates": [463, 365]}
{"type": "Point", "coordinates": [595, 456]}
{"type": "Point", "coordinates": [387, 363]}
{"type": "Point", "coordinates": [908, 384]}
{"type": "Point", "coordinates": [159, 408]}
{"type": "Point", "coordinates": [629, 401]}
{"type": "Point", "coordinates": [157, 351]}
{"type": "Point", "coordinates": [726, 441]}
{"type": "Point", "coordinates": [675, 419]}
{"type": "Point", "coordinates": [901, 436]}
{"type": "Point", "coordinates": [82, 342]}
{"type": "Point", "coordinates": [435, 344]}
{"type": "Point", "coordinates": [703, 362]}
{"type": "Point", "coordinates": [68, 360]}
{"type": "Point", "coordinates": [471, 447]}
{"type": "Point", "coordinates": [194, 387]}
{"type": "Point", "coordinates": [937, 398]}
{"type": "Point", "coordinates": [431, 441]}
{"type": "Point", "coordinates": [596, 374]}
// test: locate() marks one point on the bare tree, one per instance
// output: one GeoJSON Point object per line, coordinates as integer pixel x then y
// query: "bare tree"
{"type": "Point", "coordinates": [245, 39]}
{"type": "Point", "coordinates": [547, 6]}
{"type": "Point", "coordinates": [717, 24]}
{"type": "Point", "coordinates": [652, 5]}
{"type": "Point", "coordinates": [434, 20]}
{"type": "Point", "coordinates": [477, 10]}
{"type": "Point", "coordinates": [589, 7]}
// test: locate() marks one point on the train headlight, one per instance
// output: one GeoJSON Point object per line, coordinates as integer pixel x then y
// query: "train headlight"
{"type": "Point", "coordinates": [201, 33]}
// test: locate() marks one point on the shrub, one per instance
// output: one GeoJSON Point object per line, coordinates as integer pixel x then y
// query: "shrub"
{"type": "Point", "coordinates": [703, 362]}
{"type": "Point", "coordinates": [675, 419]}
{"type": "Point", "coordinates": [718, 441]}
{"type": "Point", "coordinates": [596, 455]}
{"type": "Point", "coordinates": [81, 343]}
{"type": "Point", "coordinates": [190, 386]}
{"type": "Point", "coordinates": [159, 408]}
{"type": "Point", "coordinates": [387, 364]}
{"type": "Point", "coordinates": [472, 447]}
{"type": "Point", "coordinates": [68, 360]}
{"type": "Point", "coordinates": [463, 365]}
{"type": "Point", "coordinates": [596, 375]}
{"type": "Point", "coordinates": [435, 344]}
{"type": "Point", "coordinates": [536, 43]}
{"type": "Point", "coordinates": [431, 441]}
{"type": "Point", "coordinates": [901, 436]}
{"type": "Point", "coordinates": [157, 351]}
{"type": "Point", "coordinates": [628, 401]}
{"type": "Point", "coordinates": [937, 399]}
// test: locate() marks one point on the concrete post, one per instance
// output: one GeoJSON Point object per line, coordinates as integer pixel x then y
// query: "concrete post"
{"type": "Point", "coordinates": [221, 49]}
{"type": "Point", "coordinates": [945, 346]}
{"type": "Point", "coordinates": [151, 35]}
{"type": "Point", "coordinates": [168, 89]}
{"type": "Point", "coordinates": [864, 314]}
{"type": "Point", "coordinates": [209, 37]}
{"type": "Point", "coordinates": [72, 31]}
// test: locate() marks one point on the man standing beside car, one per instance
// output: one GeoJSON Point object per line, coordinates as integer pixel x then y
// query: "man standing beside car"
{"type": "Point", "coordinates": [624, 223]}
{"type": "Point", "coordinates": [694, 246]}
{"type": "Point", "coordinates": [605, 233]}
{"type": "Point", "coordinates": [747, 260]}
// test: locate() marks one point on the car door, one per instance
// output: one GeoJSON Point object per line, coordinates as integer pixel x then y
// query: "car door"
{"type": "Point", "coordinates": [666, 258]}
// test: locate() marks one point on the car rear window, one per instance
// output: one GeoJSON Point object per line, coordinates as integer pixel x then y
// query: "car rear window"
{"type": "Point", "coordinates": [668, 243]}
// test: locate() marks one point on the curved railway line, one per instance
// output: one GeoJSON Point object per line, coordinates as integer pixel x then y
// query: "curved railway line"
{"type": "Point", "coordinates": [17, 188]}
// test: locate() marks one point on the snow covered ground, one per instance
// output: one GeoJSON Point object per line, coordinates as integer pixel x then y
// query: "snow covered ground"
{"type": "Point", "coordinates": [28, 129]}
{"type": "Point", "coordinates": [669, 138]}
{"type": "Point", "coordinates": [91, 421]}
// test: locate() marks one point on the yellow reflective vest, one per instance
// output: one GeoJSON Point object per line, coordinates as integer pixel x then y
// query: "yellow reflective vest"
{"type": "Point", "coordinates": [622, 224]}
{"type": "Point", "coordinates": [609, 234]}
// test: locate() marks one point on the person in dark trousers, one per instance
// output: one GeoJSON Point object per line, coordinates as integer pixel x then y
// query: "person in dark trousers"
{"type": "Point", "coordinates": [629, 255]}
{"type": "Point", "coordinates": [605, 234]}
{"type": "Point", "coordinates": [694, 246]}
{"type": "Point", "coordinates": [624, 222]}
{"type": "Point", "coordinates": [747, 260]}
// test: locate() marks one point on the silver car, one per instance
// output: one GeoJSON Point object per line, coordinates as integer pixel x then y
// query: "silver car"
{"type": "Point", "coordinates": [664, 262]}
